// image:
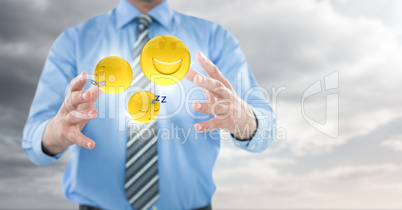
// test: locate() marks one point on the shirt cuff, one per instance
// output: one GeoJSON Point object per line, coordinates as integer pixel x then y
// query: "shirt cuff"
{"type": "Point", "coordinates": [264, 134]}
{"type": "Point", "coordinates": [41, 157]}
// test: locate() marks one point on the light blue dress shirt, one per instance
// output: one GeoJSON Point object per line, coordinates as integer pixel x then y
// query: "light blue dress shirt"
{"type": "Point", "coordinates": [186, 157]}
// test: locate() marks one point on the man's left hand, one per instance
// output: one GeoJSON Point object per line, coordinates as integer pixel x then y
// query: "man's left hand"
{"type": "Point", "coordinates": [231, 112]}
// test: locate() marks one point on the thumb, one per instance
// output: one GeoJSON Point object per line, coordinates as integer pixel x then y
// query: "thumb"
{"type": "Point", "coordinates": [83, 141]}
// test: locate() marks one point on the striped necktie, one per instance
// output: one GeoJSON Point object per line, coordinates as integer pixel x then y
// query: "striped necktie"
{"type": "Point", "coordinates": [141, 185]}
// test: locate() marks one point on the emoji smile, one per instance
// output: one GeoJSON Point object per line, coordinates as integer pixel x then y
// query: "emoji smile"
{"type": "Point", "coordinates": [166, 67]}
{"type": "Point", "coordinates": [166, 63]}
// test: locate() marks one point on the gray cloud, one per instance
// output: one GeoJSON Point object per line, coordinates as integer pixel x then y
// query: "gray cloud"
{"type": "Point", "coordinates": [28, 29]}
{"type": "Point", "coordinates": [27, 186]}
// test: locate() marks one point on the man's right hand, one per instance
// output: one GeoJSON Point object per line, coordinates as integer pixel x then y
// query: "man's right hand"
{"type": "Point", "coordinates": [78, 108]}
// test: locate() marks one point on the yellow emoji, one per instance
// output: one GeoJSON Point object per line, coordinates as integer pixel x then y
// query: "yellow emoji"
{"type": "Point", "coordinates": [113, 75]}
{"type": "Point", "coordinates": [143, 107]}
{"type": "Point", "coordinates": [165, 60]}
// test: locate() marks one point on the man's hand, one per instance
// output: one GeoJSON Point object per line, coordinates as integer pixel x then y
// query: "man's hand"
{"type": "Point", "coordinates": [77, 109]}
{"type": "Point", "coordinates": [231, 112]}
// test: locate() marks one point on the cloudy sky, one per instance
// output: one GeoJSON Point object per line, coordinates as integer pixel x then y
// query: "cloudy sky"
{"type": "Point", "coordinates": [290, 45]}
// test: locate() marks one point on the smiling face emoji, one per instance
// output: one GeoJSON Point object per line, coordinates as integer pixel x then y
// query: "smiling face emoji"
{"type": "Point", "coordinates": [143, 107]}
{"type": "Point", "coordinates": [165, 60]}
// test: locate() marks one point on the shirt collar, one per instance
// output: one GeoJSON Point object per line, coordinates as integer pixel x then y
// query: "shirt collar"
{"type": "Point", "coordinates": [126, 12]}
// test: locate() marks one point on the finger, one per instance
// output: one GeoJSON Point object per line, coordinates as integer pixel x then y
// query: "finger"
{"type": "Point", "coordinates": [81, 140]}
{"type": "Point", "coordinates": [211, 69]}
{"type": "Point", "coordinates": [95, 93]}
{"type": "Point", "coordinates": [85, 106]}
{"type": "Point", "coordinates": [210, 125]}
{"type": "Point", "coordinates": [191, 74]}
{"type": "Point", "coordinates": [78, 97]}
{"type": "Point", "coordinates": [76, 117]}
{"type": "Point", "coordinates": [212, 85]}
{"type": "Point", "coordinates": [208, 95]}
{"type": "Point", "coordinates": [79, 82]}
{"type": "Point", "coordinates": [210, 108]}
{"type": "Point", "coordinates": [80, 100]}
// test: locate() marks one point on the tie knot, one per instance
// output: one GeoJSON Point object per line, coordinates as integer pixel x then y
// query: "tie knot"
{"type": "Point", "coordinates": [144, 21]}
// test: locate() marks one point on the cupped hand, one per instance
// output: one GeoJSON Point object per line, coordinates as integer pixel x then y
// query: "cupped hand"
{"type": "Point", "coordinates": [77, 109]}
{"type": "Point", "coordinates": [230, 111]}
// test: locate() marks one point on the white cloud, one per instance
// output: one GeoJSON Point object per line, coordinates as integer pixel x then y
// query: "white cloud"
{"type": "Point", "coordinates": [302, 44]}
{"type": "Point", "coordinates": [395, 143]}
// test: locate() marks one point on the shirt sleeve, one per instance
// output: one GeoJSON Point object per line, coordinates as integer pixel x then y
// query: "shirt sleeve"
{"type": "Point", "coordinates": [58, 71]}
{"type": "Point", "coordinates": [225, 52]}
